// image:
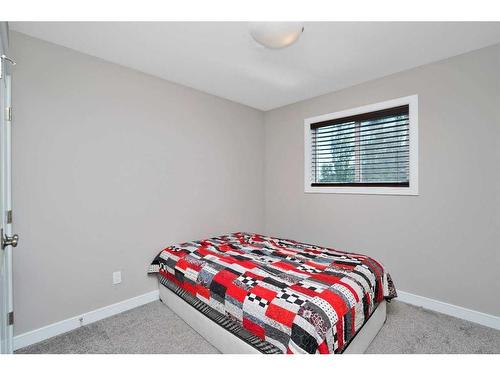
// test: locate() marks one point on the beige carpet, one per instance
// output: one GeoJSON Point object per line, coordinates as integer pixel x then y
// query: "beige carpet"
{"type": "Point", "coordinates": [153, 328]}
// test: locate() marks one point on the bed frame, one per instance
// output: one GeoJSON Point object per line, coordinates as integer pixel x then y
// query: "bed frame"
{"type": "Point", "coordinates": [228, 343]}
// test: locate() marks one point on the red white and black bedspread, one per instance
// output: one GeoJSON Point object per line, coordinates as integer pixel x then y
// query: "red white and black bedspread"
{"type": "Point", "coordinates": [298, 297]}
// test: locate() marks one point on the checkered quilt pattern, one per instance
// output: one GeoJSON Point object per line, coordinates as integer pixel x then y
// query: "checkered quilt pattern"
{"type": "Point", "coordinates": [298, 297]}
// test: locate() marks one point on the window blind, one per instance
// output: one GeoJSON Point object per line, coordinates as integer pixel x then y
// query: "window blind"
{"type": "Point", "coordinates": [369, 149]}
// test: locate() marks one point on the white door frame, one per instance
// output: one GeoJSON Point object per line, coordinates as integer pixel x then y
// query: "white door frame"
{"type": "Point", "coordinates": [6, 304]}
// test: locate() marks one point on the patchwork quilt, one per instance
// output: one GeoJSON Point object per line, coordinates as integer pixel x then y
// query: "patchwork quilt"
{"type": "Point", "coordinates": [291, 296]}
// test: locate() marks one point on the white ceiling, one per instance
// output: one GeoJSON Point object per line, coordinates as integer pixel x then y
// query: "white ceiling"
{"type": "Point", "coordinates": [222, 59]}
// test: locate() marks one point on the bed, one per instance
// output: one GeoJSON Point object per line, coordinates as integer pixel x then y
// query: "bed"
{"type": "Point", "coordinates": [249, 293]}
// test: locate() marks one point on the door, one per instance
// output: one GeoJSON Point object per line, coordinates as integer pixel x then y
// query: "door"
{"type": "Point", "coordinates": [7, 241]}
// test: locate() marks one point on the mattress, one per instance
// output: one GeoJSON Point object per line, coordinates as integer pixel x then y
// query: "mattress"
{"type": "Point", "coordinates": [228, 341]}
{"type": "Point", "coordinates": [279, 296]}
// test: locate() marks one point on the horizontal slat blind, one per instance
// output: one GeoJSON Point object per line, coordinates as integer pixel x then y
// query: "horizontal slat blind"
{"type": "Point", "coordinates": [370, 149]}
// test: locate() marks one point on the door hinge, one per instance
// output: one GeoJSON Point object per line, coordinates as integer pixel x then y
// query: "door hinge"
{"type": "Point", "coordinates": [10, 319]}
{"type": "Point", "coordinates": [2, 59]}
{"type": "Point", "coordinates": [8, 114]}
{"type": "Point", "coordinates": [9, 217]}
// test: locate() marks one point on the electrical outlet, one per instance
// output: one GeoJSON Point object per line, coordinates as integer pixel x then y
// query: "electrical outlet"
{"type": "Point", "coordinates": [117, 277]}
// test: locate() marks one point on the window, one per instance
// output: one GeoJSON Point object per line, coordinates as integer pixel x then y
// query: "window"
{"type": "Point", "coordinates": [366, 150]}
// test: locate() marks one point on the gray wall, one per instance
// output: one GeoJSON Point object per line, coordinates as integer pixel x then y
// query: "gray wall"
{"type": "Point", "coordinates": [444, 243]}
{"type": "Point", "coordinates": [109, 166]}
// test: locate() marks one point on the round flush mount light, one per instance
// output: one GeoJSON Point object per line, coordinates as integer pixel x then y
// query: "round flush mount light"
{"type": "Point", "coordinates": [276, 34]}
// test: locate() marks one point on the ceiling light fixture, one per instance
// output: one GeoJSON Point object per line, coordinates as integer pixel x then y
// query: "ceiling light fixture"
{"type": "Point", "coordinates": [276, 34]}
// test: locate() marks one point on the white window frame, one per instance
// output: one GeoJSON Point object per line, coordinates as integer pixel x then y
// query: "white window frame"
{"type": "Point", "coordinates": [412, 102]}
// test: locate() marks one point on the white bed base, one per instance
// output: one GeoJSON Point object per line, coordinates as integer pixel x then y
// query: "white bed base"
{"type": "Point", "coordinates": [228, 343]}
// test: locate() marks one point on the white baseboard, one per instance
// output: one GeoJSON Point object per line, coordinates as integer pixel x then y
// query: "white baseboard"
{"type": "Point", "coordinates": [51, 330]}
{"type": "Point", "coordinates": [43, 333]}
{"type": "Point", "coordinates": [487, 320]}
